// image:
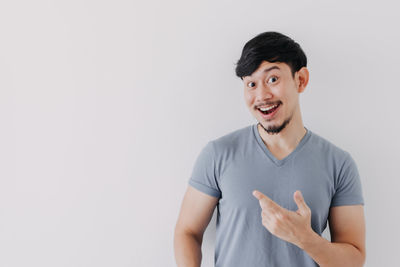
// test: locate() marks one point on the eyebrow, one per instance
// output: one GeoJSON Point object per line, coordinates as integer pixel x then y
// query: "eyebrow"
{"type": "Point", "coordinates": [266, 70]}
{"type": "Point", "coordinates": [271, 68]}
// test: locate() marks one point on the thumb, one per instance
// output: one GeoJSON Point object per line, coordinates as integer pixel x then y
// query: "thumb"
{"type": "Point", "coordinates": [298, 198]}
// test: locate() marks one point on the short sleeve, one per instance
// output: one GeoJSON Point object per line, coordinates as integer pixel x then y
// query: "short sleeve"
{"type": "Point", "coordinates": [204, 176]}
{"type": "Point", "coordinates": [348, 189]}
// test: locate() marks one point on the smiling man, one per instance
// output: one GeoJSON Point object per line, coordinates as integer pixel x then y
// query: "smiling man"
{"type": "Point", "coordinates": [275, 183]}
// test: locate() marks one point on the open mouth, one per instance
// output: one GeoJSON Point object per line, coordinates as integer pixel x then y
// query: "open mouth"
{"type": "Point", "coordinates": [269, 109]}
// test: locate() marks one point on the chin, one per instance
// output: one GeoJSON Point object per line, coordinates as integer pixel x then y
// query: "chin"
{"type": "Point", "coordinates": [274, 128]}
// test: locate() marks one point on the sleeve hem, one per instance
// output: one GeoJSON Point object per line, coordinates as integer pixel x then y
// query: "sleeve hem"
{"type": "Point", "coordinates": [348, 202]}
{"type": "Point", "coordinates": [205, 189]}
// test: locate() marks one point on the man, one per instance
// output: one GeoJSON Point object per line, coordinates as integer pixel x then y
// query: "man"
{"type": "Point", "coordinates": [275, 183]}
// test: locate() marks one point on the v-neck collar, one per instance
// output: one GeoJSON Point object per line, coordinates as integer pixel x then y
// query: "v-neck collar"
{"type": "Point", "coordinates": [272, 157]}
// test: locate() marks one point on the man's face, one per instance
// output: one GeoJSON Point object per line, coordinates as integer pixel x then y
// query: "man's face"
{"type": "Point", "coordinates": [271, 94]}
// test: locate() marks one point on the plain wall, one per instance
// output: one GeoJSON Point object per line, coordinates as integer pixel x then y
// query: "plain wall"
{"type": "Point", "coordinates": [105, 105]}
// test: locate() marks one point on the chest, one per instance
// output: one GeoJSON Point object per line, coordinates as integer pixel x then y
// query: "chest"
{"type": "Point", "coordinates": [240, 179]}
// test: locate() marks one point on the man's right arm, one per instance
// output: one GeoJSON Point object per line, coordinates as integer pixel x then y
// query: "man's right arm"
{"type": "Point", "coordinates": [195, 214]}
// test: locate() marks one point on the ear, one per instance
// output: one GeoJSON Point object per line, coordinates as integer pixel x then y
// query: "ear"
{"type": "Point", "coordinates": [302, 79]}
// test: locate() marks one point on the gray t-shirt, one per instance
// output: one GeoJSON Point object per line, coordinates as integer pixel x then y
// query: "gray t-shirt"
{"type": "Point", "coordinates": [232, 166]}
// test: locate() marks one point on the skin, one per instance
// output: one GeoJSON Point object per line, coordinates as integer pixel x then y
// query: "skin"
{"type": "Point", "coordinates": [347, 223]}
{"type": "Point", "coordinates": [293, 227]}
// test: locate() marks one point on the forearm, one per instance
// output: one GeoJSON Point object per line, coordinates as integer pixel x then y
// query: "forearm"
{"type": "Point", "coordinates": [328, 254]}
{"type": "Point", "coordinates": [187, 250]}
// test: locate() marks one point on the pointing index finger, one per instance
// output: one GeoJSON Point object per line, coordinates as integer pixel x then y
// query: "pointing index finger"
{"type": "Point", "coordinates": [258, 194]}
{"type": "Point", "coordinates": [265, 202]}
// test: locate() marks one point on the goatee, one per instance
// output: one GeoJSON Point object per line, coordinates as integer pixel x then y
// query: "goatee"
{"type": "Point", "coordinates": [276, 129]}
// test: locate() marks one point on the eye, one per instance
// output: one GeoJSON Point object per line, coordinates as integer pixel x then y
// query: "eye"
{"type": "Point", "coordinates": [251, 84]}
{"type": "Point", "coordinates": [272, 79]}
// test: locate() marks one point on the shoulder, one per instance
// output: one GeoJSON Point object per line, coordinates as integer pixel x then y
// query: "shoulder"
{"type": "Point", "coordinates": [329, 154]}
{"type": "Point", "coordinates": [233, 140]}
{"type": "Point", "coordinates": [226, 145]}
{"type": "Point", "coordinates": [323, 145]}
{"type": "Point", "coordinates": [227, 148]}
{"type": "Point", "coordinates": [334, 160]}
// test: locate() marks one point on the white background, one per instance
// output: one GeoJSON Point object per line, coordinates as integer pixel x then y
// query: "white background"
{"type": "Point", "coordinates": [105, 105]}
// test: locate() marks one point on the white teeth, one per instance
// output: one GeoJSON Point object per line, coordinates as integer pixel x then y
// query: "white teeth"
{"type": "Point", "coordinates": [268, 108]}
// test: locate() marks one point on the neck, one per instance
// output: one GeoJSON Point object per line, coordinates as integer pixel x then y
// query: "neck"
{"type": "Point", "coordinates": [288, 138]}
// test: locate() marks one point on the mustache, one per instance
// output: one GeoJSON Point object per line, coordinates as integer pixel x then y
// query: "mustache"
{"type": "Point", "coordinates": [269, 103]}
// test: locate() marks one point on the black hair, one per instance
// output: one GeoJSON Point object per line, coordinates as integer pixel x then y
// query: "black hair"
{"type": "Point", "coordinates": [272, 47]}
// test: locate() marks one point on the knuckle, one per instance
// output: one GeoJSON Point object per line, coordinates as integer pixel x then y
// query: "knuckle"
{"type": "Point", "coordinates": [275, 220]}
{"type": "Point", "coordinates": [281, 216]}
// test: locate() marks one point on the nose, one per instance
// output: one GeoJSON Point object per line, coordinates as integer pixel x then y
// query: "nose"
{"type": "Point", "coordinates": [263, 93]}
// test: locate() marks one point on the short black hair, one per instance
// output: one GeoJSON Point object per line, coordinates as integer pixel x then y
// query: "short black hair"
{"type": "Point", "coordinates": [272, 47]}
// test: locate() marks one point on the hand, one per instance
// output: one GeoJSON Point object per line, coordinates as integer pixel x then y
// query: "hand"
{"type": "Point", "coordinates": [293, 227]}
